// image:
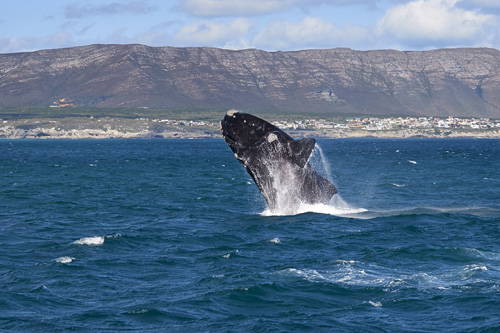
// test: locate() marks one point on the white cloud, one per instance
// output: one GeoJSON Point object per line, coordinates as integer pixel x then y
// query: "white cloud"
{"type": "Point", "coordinates": [209, 33]}
{"type": "Point", "coordinates": [77, 10]}
{"type": "Point", "coordinates": [483, 3]}
{"type": "Point", "coordinates": [222, 8]}
{"type": "Point", "coordinates": [435, 23]}
{"type": "Point", "coordinates": [414, 25]}
{"type": "Point", "coordinates": [22, 44]}
{"type": "Point", "coordinates": [245, 8]}
{"type": "Point", "coordinates": [310, 32]}
{"type": "Point", "coordinates": [264, 24]}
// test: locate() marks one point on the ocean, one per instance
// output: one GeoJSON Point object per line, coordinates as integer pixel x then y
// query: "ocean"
{"type": "Point", "coordinates": [173, 235]}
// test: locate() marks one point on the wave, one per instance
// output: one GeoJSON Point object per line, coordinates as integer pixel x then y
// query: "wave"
{"type": "Point", "coordinates": [95, 240]}
{"type": "Point", "coordinates": [428, 210]}
{"type": "Point", "coordinates": [64, 260]}
{"type": "Point", "coordinates": [336, 207]}
{"type": "Point", "coordinates": [354, 273]}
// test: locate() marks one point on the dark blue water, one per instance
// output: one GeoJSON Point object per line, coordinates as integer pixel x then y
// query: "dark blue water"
{"type": "Point", "coordinates": [169, 235]}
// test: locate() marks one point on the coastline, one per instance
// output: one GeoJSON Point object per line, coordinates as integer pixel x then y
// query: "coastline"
{"type": "Point", "coordinates": [144, 128]}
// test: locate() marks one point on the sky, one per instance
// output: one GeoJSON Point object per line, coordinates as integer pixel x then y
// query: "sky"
{"type": "Point", "coordinates": [271, 25]}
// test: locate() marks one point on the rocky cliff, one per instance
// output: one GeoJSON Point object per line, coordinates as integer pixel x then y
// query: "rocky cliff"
{"type": "Point", "coordinates": [458, 82]}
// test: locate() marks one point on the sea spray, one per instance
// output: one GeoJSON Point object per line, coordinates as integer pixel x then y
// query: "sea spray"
{"type": "Point", "coordinates": [320, 163]}
{"type": "Point", "coordinates": [287, 190]}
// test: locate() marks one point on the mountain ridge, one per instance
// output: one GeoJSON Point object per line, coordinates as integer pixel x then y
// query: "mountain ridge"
{"type": "Point", "coordinates": [443, 82]}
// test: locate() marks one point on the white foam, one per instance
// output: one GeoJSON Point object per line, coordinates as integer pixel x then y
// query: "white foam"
{"type": "Point", "coordinates": [336, 207]}
{"type": "Point", "coordinates": [64, 260]}
{"type": "Point", "coordinates": [93, 241]}
{"type": "Point", "coordinates": [346, 262]}
{"type": "Point", "coordinates": [275, 240]}
{"type": "Point", "coordinates": [355, 273]}
{"type": "Point", "coordinates": [287, 191]}
{"type": "Point", "coordinates": [228, 255]}
{"type": "Point", "coordinates": [375, 304]}
{"type": "Point", "coordinates": [470, 268]}
{"type": "Point", "coordinates": [412, 162]}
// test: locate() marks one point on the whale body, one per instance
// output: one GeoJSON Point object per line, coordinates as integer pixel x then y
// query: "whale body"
{"type": "Point", "coordinates": [277, 163]}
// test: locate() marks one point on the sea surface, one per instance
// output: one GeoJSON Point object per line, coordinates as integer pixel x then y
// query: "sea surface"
{"type": "Point", "coordinates": [173, 235]}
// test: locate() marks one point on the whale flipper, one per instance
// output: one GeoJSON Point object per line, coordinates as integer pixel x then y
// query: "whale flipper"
{"type": "Point", "coordinates": [302, 150]}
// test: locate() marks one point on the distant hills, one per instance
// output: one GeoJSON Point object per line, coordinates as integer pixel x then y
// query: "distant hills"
{"type": "Point", "coordinates": [458, 82]}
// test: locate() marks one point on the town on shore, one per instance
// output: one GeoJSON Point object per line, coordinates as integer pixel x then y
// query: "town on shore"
{"type": "Point", "coordinates": [115, 127]}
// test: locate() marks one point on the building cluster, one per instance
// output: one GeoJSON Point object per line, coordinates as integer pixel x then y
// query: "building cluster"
{"type": "Point", "coordinates": [368, 123]}
{"type": "Point", "coordinates": [191, 123]}
{"type": "Point", "coordinates": [63, 103]}
{"type": "Point", "coordinates": [391, 123]}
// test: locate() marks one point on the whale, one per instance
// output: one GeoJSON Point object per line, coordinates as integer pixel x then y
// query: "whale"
{"type": "Point", "coordinates": [278, 164]}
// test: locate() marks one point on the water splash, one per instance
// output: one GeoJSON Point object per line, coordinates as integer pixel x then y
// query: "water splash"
{"type": "Point", "coordinates": [320, 163]}
{"type": "Point", "coordinates": [287, 189]}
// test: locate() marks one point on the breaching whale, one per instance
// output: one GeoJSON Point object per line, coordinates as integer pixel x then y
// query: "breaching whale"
{"type": "Point", "coordinates": [277, 163]}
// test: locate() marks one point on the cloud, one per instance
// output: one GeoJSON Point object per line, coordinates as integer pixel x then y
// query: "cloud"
{"type": "Point", "coordinates": [435, 23]}
{"type": "Point", "coordinates": [225, 8]}
{"type": "Point", "coordinates": [215, 33]}
{"type": "Point", "coordinates": [416, 24]}
{"type": "Point", "coordinates": [483, 3]}
{"type": "Point", "coordinates": [156, 36]}
{"type": "Point", "coordinates": [77, 10]}
{"type": "Point", "coordinates": [246, 8]}
{"type": "Point", "coordinates": [23, 44]}
{"type": "Point", "coordinates": [310, 32]}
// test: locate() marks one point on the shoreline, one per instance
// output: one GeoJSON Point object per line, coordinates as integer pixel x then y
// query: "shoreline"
{"type": "Point", "coordinates": [197, 133]}
{"type": "Point", "coordinates": [142, 128]}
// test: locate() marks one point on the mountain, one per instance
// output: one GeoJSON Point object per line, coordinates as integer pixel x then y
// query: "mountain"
{"type": "Point", "coordinates": [458, 82]}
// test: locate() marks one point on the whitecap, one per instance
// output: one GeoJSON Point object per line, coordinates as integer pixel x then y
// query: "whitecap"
{"type": "Point", "coordinates": [228, 255]}
{"type": "Point", "coordinates": [93, 241]}
{"type": "Point", "coordinates": [469, 268]}
{"type": "Point", "coordinates": [336, 207]}
{"type": "Point", "coordinates": [397, 185]}
{"type": "Point", "coordinates": [375, 304]}
{"type": "Point", "coordinates": [412, 162]}
{"type": "Point", "coordinates": [275, 240]}
{"type": "Point", "coordinates": [64, 260]}
{"type": "Point", "coordinates": [218, 276]}
{"type": "Point", "coordinates": [346, 262]}
{"type": "Point", "coordinates": [307, 274]}
{"type": "Point", "coordinates": [345, 273]}
{"type": "Point", "coordinates": [117, 235]}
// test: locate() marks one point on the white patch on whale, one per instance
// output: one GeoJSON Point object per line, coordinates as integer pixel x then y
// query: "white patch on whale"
{"type": "Point", "coordinates": [272, 137]}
